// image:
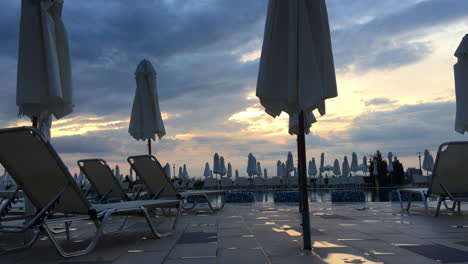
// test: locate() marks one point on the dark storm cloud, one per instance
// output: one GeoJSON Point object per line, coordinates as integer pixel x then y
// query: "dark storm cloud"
{"type": "Point", "coordinates": [408, 128]}
{"type": "Point", "coordinates": [379, 101]}
{"type": "Point", "coordinates": [387, 41]}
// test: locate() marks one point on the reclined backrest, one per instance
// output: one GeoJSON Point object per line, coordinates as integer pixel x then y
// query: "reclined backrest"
{"type": "Point", "coordinates": [451, 168]}
{"type": "Point", "coordinates": [39, 171]}
{"type": "Point", "coordinates": [152, 174]}
{"type": "Point", "coordinates": [100, 175]}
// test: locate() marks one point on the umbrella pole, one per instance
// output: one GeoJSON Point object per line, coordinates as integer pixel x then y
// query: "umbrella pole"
{"type": "Point", "coordinates": [149, 146]}
{"type": "Point", "coordinates": [301, 151]}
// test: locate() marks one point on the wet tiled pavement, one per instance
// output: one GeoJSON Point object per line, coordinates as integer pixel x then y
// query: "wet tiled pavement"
{"type": "Point", "coordinates": [373, 232]}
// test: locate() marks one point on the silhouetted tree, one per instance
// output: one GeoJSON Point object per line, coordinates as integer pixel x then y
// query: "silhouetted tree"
{"type": "Point", "coordinates": [381, 178]}
{"type": "Point", "coordinates": [398, 174]}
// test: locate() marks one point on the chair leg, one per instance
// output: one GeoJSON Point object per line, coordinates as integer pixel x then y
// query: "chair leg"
{"type": "Point", "coordinates": [399, 199]}
{"type": "Point", "coordinates": [151, 226]}
{"type": "Point", "coordinates": [459, 207]}
{"type": "Point", "coordinates": [99, 227]}
{"type": "Point", "coordinates": [426, 208]}
{"type": "Point", "coordinates": [438, 206]}
{"type": "Point", "coordinates": [410, 196]}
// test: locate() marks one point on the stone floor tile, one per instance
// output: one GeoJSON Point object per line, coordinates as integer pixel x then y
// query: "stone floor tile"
{"type": "Point", "coordinates": [204, 250]}
{"type": "Point", "coordinates": [144, 257]}
{"type": "Point", "coordinates": [244, 256]}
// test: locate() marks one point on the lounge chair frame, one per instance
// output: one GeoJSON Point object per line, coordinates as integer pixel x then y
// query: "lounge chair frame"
{"type": "Point", "coordinates": [47, 212]}
{"type": "Point", "coordinates": [201, 194]}
{"type": "Point", "coordinates": [437, 188]}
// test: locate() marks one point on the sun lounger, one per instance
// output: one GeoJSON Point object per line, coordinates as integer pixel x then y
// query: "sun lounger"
{"type": "Point", "coordinates": [101, 177]}
{"type": "Point", "coordinates": [45, 180]}
{"type": "Point", "coordinates": [158, 183]}
{"type": "Point", "coordinates": [448, 179]}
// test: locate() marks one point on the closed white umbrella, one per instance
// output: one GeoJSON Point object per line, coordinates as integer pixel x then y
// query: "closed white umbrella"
{"type": "Point", "coordinates": [297, 74]}
{"type": "Point", "coordinates": [354, 162]}
{"type": "Point", "coordinates": [390, 162]}
{"type": "Point", "coordinates": [428, 162]}
{"type": "Point", "coordinates": [295, 172]}
{"type": "Point", "coordinates": [229, 170]}
{"type": "Point", "coordinates": [265, 175]}
{"type": "Point", "coordinates": [181, 174]}
{"type": "Point", "coordinates": [216, 164]}
{"type": "Point", "coordinates": [345, 167]}
{"type": "Point", "coordinates": [222, 166]}
{"type": "Point", "coordinates": [251, 165]}
{"type": "Point", "coordinates": [285, 171]}
{"type": "Point", "coordinates": [167, 170]}
{"type": "Point", "coordinates": [259, 169]}
{"type": "Point", "coordinates": [185, 173]}
{"type": "Point", "coordinates": [146, 121]}
{"type": "Point", "coordinates": [322, 161]}
{"type": "Point", "coordinates": [206, 172]}
{"type": "Point", "coordinates": [312, 168]}
{"type": "Point", "coordinates": [289, 163]}
{"type": "Point", "coordinates": [336, 168]}
{"type": "Point", "coordinates": [461, 86]}
{"type": "Point", "coordinates": [44, 77]}
{"type": "Point", "coordinates": [279, 169]}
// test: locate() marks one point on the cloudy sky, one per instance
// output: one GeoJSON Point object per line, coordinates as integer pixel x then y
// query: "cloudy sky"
{"type": "Point", "coordinates": [393, 61]}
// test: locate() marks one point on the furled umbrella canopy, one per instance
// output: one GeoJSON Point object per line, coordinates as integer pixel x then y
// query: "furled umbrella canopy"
{"type": "Point", "coordinates": [181, 175]}
{"type": "Point", "coordinates": [265, 175]}
{"type": "Point", "coordinates": [167, 170]}
{"type": "Point", "coordinates": [296, 65]}
{"type": "Point", "coordinates": [461, 86]}
{"type": "Point", "coordinates": [206, 172]}
{"type": "Point", "coordinates": [279, 169]}
{"type": "Point", "coordinates": [229, 170]}
{"type": "Point", "coordinates": [146, 121]}
{"type": "Point", "coordinates": [251, 165]}
{"type": "Point", "coordinates": [295, 172]}
{"type": "Point", "coordinates": [185, 172]}
{"type": "Point", "coordinates": [222, 167]}
{"type": "Point", "coordinates": [390, 162]}
{"type": "Point", "coordinates": [312, 168]}
{"type": "Point", "coordinates": [322, 162]}
{"type": "Point", "coordinates": [259, 169]}
{"type": "Point", "coordinates": [345, 167]}
{"type": "Point", "coordinates": [289, 163]}
{"type": "Point", "coordinates": [354, 162]}
{"type": "Point", "coordinates": [428, 161]}
{"type": "Point", "coordinates": [336, 168]}
{"type": "Point", "coordinates": [44, 78]}
{"type": "Point", "coordinates": [285, 171]}
{"type": "Point", "coordinates": [216, 164]}
{"type": "Point", "coordinates": [237, 174]}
